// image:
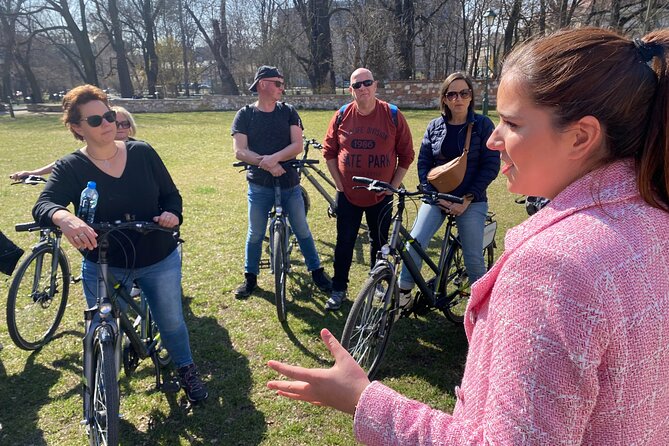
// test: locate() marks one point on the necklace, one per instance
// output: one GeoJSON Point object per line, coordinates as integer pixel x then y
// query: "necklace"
{"type": "Point", "coordinates": [106, 161]}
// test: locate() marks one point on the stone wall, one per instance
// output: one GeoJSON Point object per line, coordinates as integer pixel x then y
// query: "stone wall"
{"type": "Point", "coordinates": [405, 94]}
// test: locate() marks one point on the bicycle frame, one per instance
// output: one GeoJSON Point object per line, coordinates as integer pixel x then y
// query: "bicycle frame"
{"type": "Point", "coordinates": [396, 246]}
{"type": "Point", "coordinates": [305, 169]}
{"type": "Point", "coordinates": [278, 217]}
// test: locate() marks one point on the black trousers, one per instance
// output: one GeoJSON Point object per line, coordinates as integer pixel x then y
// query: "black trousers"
{"type": "Point", "coordinates": [349, 217]}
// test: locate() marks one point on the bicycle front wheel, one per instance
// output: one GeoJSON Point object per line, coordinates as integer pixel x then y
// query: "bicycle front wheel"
{"type": "Point", "coordinates": [370, 320]}
{"type": "Point", "coordinates": [36, 301]}
{"type": "Point", "coordinates": [103, 429]}
{"type": "Point", "coordinates": [280, 269]}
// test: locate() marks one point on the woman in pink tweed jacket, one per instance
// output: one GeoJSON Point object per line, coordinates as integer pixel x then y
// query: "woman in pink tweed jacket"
{"type": "Point", "coordinates": [569, 331]}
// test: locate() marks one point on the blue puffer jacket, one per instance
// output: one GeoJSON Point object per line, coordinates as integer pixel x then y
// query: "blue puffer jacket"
{"type": "Point", "coordinates": [482, 163]}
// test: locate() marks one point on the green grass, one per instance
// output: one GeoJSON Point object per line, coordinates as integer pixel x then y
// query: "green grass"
{"type": "Point", "coordinates": [232, 340]}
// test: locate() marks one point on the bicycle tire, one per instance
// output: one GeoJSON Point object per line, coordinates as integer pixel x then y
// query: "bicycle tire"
{"type": "Point", "coordinates": [104, 426]}
{"type": "Point", "coordinates": [162, 355]}
{"type": "Point", "coordinates": [457, 282]}
{"type": "Point", "coordinates": [34, 310]}
{"type": "Point", "coordinates": [280, 270]}
{"type": "Point", "coordinates": [457, 285]}
{"type": "Point", "coordinates": [370, 321]}
{"type": "Point", "coordinates": [306, 199]}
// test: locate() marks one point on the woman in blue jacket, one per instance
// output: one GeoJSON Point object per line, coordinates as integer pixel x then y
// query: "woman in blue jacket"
{"type": "Point", "coordinates": [444, 141]}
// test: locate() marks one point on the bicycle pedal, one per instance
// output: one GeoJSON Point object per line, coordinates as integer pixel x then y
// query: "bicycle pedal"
{"type": "Point", "coordinates": [264, 264]}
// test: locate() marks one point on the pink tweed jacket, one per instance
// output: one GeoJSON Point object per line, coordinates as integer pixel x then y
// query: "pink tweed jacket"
{"type": "Point", "coordinates": [568, 333]}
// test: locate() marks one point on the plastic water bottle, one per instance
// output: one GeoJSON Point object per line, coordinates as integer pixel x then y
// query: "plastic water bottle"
{"type": "Point", "coordinates": [88, 202]}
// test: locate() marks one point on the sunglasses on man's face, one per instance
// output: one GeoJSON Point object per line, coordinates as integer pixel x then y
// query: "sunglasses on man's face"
{"type": "Point", "coordinates": [366, 83]}
{"type": "Point", "coordinates": [277, 84]}
{"type": "Point", "coordinates": [453, 95]}
{"type": "Point", "coordinates": [96, 120]}
{"type": "Point", "coordinates": [123, 124]}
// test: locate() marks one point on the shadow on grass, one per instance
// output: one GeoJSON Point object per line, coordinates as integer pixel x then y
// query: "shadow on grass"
{"type": "Point", "coordinates": [429, 347]}
{"type": "Point", "coordinates": [21, 399]}
{"type": "Point", "coordinates": [228, 416]}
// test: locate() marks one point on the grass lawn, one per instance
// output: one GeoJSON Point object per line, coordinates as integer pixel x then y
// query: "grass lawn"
{"type": "Point", "coordinates": [40, 400]}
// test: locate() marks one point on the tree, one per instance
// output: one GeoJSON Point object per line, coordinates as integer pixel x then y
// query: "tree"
{"type": "Point", "coordinates": [218, 44]}
{"type": "Point", "coordinates": [79, 32]}
{"type": "Point", "coordinates": [317, 64]}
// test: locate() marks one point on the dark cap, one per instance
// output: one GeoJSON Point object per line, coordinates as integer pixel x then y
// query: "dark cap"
{"type": "Point", "coordinates": [264, 72]}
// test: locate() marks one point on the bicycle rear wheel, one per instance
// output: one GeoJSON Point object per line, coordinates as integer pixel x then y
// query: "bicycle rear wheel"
{"type": "Point", "coordinates": [370, 320]}
{"type": "Point", "coordinates": [280, 269]}
{"type": "Point", "coordinates": [104, 424]}
{"type": "Point", "coordinates": [35, 306]}
{"type": "Point", "coordinates": [457, 285]}
{"type": "Point", "coordinates": [457, 282]}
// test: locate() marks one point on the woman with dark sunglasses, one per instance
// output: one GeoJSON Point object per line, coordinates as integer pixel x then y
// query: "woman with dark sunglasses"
{"type": "Point", "coordinates": [132, 181]}
{"type": "Point", "coordinates": [125, 131]}
{"type": "Point", "coordinates": [444, 141]}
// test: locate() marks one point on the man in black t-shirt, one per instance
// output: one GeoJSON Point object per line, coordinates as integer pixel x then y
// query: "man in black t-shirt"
{"type": "Point", "coordinates": [264, 134]}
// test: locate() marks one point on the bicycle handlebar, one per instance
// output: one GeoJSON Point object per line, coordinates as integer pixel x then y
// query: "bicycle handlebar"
{"type": "Point", "coordinates": [31, 180]}
{"type": "Point", "coordinates": [313, 143]}
{"type": "Point", "coordinates": [139, 226]}
{"type": "Point", "coordinates": [381, 186]}
{"type": "Point", "coordinates": [289, 163]}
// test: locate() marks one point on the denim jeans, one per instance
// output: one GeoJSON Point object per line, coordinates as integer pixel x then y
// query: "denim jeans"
{"type": "Point", "coordinates": [349, 217]}
{"type": "Point", "coordinates": [161, 286]}
{"type": "Point", "coordinates": [470, 229]}
{"type": "Point", "coordinates": [261, 200]}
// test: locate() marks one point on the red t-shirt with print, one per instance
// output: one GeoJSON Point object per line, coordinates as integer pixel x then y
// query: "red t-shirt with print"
{"type": "Point", "coordinates": [369, 146]}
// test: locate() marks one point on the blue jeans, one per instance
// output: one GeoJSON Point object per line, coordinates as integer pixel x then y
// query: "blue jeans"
{"type": "Point", "coordinates": [261, 200]}
{"type": "Point", "coordinates": [161, 286]}
{"type": "Point", "coordinates": [470, 229]}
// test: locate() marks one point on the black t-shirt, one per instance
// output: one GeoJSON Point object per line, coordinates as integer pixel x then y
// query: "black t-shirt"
{"type": "Point", "coordinates": [454, 142]}
{"type": "Point", "coordinates": [268, 133]}
{"type": "Point", "coordinates": [144, 190]}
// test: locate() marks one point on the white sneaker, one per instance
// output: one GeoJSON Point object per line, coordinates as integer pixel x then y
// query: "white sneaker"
{"type": "Point", "coordinates": [335, 300]}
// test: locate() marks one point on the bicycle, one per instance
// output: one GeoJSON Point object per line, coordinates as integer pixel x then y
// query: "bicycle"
{"type": "Point", "coordinates": [377, 306]}
{"type": "Point", "coordinates": [40, 287]}
{"type": "Point", "coordinates": [306, 171]}
{"type": "Point", "coordinates": [280, 243]}
{"type": "Point", "coordinates": [112, 339]}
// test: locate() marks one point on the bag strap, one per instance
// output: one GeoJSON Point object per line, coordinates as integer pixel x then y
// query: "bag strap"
{"type": "Point", "coordinates": [468, 138]}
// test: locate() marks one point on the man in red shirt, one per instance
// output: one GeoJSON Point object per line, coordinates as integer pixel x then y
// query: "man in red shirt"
{"type": "Point", "coordinates": [368, 138]}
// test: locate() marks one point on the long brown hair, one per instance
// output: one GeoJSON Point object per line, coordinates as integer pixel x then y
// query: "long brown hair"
{"type": "Point", "coordinates": [597, 72]}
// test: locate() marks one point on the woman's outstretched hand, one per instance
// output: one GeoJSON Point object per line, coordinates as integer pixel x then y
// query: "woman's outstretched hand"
{"type": "Point", "coordinates": [339, 386]}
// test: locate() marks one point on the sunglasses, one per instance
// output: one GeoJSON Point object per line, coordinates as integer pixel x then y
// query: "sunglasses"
{"type": "Point", "coordinates": [277, 84]}
{"type": "Point", "coordinates": [453, 95]}
{"type": "Point", "coordinates": [123, 124]}
{"type": "Point", "coordinates": [366, 83]}
{"type": "Point", "coordinates": [96, 120]}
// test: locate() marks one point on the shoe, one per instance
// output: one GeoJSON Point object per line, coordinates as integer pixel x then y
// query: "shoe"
{"type": "Point", "coordinates": [379, 291]}
{"type": "Point", "coordinates": [335, 300]}
{"type": "Point", "coordinates": [321, 280]}
{"type": "Point", "coordinates": [245, 289]}
{"type": "Point", "coordinates": [405, 298]}
{"type": "Point", "coordinates": [190, 381]}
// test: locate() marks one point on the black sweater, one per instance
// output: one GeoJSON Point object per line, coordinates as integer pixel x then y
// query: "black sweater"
{"type": "Point", "coordinates": [144, 190]}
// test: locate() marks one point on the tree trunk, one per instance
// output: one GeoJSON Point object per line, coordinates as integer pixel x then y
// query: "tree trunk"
{"type": "Point", "coordinates": [118, 45]}
{"type": "Point", "coordinates": [315, 17]}
{"type": "Point", "coordinates": [151, 57]}
{"type": "Point", "coordinates": [219, 48]}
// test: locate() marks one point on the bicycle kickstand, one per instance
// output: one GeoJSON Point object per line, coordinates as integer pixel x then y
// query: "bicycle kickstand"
{"type": "Point", "coordinates": [171, 386]}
